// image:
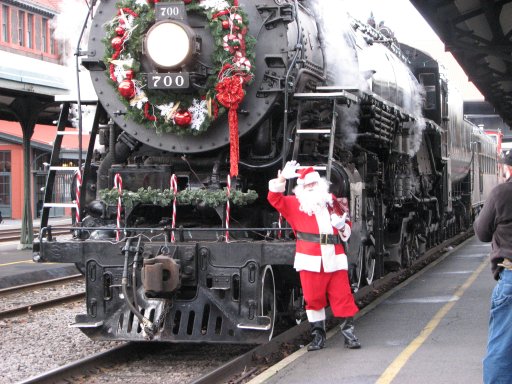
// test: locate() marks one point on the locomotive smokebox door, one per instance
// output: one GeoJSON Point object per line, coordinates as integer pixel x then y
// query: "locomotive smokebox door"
{"type": "Point", "coordinates": [160, 276]}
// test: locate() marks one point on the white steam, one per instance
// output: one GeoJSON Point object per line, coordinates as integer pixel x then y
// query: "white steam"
{"type": "Point", "coordinates": [341, 59]}
{"type": "Point", "coordinates": [67, 27]}
{"type": "Point", "coordinates": [352, 67]}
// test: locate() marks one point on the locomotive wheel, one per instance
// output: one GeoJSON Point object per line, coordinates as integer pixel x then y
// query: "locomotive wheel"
{"type": "Point", "coordinates": [359, 267]}
{"type": "Point", "coordinates": [410, 249]}
{"type": "Point", "coordinates": [405, 253]}
{"type": "Point", "coordinates": [268, 297]}
{"type": "Point", "coordinates": [369, 264]}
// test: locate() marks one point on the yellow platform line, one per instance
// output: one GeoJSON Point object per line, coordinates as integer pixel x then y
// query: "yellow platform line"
{"type": "Point", "coordinates": [21, 262]}
{"type": "Point", "coordinates": [394, 368]}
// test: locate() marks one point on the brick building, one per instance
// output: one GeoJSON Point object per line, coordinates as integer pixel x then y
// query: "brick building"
{"type": "Point", "coordinates": [31, 65]}
{"type": "Point", "coordinates": [27, 29]}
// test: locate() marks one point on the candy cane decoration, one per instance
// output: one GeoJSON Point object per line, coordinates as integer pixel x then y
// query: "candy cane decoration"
{"type": "Point", "coordinates": [78, 175]}
{"type": "Point", "coordinates": [118, 183]}
{"type": "Point", "coordinates": [174, 187]}
{"type": "Point", "coordinates": [228, 192]}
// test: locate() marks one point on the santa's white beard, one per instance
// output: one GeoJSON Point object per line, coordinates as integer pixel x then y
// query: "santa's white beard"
{"type": "Point", "coordinates": [311, 200]}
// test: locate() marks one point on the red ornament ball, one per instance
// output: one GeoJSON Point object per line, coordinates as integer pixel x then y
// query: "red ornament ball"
{"type": "Point", "coordinates": [225, 24]}
{"type": "Point", "coordinates": [117, 43]}
{"type": "Point", "coordinates": [120, 31]}
{"type": "Point", "coordinates": [130, 74]}
{"type": "Point", "coordinates": [182, 118]}
{"type": "Point", "coordinates": [126, 89]}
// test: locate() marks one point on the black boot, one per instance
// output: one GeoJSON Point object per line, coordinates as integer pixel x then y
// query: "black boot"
{"type": "Point", "coordinates": [347, 330]}
{"type": "Point", "coordinates": [318, 333]}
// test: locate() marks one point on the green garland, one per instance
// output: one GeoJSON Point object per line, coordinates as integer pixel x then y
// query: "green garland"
{"type": "Point", "coordinates": [209, 198]}
{"type": "Point", "coordinates": [126, 54]}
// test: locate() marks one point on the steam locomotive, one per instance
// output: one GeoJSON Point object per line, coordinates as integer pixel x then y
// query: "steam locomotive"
{"type": "Point", "coordinates": [200, 103]}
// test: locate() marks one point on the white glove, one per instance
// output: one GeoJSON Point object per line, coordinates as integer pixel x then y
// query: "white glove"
{"type": "Point", "coordinates": [290, 170]}
{"type": "Point", "coordinates": [338, 221]}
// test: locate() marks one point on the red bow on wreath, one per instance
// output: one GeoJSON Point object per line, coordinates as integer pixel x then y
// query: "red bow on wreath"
{"type": "Point", "coordinates": [230, 94]}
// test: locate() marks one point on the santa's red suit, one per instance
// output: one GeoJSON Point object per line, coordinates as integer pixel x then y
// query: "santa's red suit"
{"type": "Point", "coordinates": [322, 264]}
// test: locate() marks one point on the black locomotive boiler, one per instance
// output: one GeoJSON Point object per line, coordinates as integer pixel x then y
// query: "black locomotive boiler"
{"type": "Point", "coordinates": [199, 104]}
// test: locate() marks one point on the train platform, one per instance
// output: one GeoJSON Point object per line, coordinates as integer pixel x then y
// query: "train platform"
{"type": "Point", "coordinates": [16, 265]}
{"type": "Point", "coordinates": [430, 329]}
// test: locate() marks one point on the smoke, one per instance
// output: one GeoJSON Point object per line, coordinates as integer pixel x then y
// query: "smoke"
{"type": "Point", "coordinates": [67, 26]}
{"type": "Point", "coordinates": [353, 69]}
{"type": "Point", "coordinates": [414, 105]}
{"type": "Point", "coordinates": [341, 59]}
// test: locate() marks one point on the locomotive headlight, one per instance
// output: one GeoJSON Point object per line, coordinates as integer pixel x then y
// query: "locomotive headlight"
{"type": "Point", "coordinates": [169, 44]}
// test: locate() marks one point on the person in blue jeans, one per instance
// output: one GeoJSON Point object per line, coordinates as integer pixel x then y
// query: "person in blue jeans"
{"type": "Point", "coordinates": [494, 224]}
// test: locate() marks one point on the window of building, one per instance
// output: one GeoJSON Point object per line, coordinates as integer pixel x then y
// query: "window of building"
{"type": "Point", "coordinates": [44, 35]}
{"type": "Point", "coordinates": [21, 28]}
{"type": "Point", "coordinates": [53, 48]}
{"type": "Point", "coordinates": [5, 182]}
{"type": "Point", "coordinates": [30, 30]}
{"type": "Point", "coordinates": [5, 23]}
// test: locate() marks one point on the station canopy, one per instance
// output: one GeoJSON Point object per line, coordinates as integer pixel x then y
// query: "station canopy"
{"type": "Point", "coordinates": [478, 34]}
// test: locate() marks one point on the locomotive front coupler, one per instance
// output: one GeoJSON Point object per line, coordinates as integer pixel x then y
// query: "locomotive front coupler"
{"type": "Point", "coordinates": [148, 326]}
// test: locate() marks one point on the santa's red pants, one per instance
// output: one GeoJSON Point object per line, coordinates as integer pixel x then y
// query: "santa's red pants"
{"type": "Point", "coordinates": [333, 287]}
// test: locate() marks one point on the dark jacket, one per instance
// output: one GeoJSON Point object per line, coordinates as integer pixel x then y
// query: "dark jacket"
{"type": "Point", "coordinates": [494, 223]}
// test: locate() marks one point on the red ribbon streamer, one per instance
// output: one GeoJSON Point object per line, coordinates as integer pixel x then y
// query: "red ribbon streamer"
{"type": "Point", "coordinates": [230, 93]}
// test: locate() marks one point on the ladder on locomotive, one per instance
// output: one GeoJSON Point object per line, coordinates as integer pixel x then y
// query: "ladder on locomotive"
{"type": "Point", "coordinates": [335, 95]}
{"type": "Point", "coordinates": [56, 167]}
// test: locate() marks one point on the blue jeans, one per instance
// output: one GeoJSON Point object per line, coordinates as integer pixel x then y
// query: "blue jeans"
{"type": "Point", "coordinates": [498, 361]}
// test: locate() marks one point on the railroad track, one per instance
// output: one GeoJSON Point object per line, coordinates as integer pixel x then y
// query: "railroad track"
{"type": "Point", "coordinates": [15, 234]}
{"type": "Point", "coordinates": [27, 308]}
{"type": "Point", "coordinates": [245, 365]}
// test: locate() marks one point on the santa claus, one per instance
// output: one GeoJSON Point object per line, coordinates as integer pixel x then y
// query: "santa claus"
{"type": "Point", "coordinates": [321, 225]}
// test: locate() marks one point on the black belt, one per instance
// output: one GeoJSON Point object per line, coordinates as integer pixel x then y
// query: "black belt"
{"type": "Point", "coordinates": [322, 238]}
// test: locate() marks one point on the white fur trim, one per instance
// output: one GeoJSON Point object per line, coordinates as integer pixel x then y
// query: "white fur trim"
{"type": "Point", "coordinates": [277, 186]}
{"type": "Point", "coordinates": [315, 315]}
{"type": "Point", "coordinates": [312, 177]}
{"type": "Point", "coordinates": [346, 232]}
{"type": "Point", "coordinates": [330, 261]}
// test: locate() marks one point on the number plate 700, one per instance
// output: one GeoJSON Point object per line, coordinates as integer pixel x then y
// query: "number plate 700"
{"type": "Point", "coordinates": [168, 80]}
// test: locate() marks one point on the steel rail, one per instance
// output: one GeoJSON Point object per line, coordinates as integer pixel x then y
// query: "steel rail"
{"type": "Point", "coordinates": [89, 363]}
{"type": "Point", "coordinates": [39, 284]}
{"type": "Point", "coordinates": [26, 309]}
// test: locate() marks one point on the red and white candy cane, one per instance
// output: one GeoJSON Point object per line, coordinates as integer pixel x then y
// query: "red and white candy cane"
{"type": "Point", "coordinates": [118, 183]}
{"type": "Point", "coordinates": [228, 192]}
{"type": "Point", "coordinates": [78, 176]}
{"type": "Point", "coordinates": [174, 187]}
{"type": "Point", "coordinates": [279, 224]}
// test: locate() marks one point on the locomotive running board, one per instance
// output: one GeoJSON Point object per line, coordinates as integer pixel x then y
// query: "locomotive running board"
{"type": "Point", "coordinates": [263, 324]}
{"type": "Point", "coordinates": [86, 325]}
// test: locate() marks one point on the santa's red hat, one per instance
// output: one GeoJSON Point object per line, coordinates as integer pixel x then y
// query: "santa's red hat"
{"type": "Point", "coordinates": [307, 176]}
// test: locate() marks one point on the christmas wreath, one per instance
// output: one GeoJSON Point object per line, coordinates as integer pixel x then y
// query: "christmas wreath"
{"type": "Point", "coordinates": [173, 112]}
{"type": "Point", "coordinates": [186, 197]}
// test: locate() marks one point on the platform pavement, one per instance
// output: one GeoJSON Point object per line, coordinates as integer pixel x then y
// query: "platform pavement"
{"type": "Point", "coordinates": [16, 265]}
{"type": "Point", "coordinates": [431, 329]}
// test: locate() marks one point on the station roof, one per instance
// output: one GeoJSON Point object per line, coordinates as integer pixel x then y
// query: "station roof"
{"type": "Point", "coordinates": [478, 33]}
{"type": "Point", "coordinates": [22, 77]}
{"type": "Point", "coordinates": [43, 137]}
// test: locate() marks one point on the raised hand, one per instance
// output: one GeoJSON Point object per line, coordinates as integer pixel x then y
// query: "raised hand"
{"type": "Point", "coordinates": [290, 170]}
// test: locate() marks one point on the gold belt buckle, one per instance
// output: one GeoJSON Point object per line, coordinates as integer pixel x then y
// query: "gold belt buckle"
{"type": "Point", "coordinates": [324, 238]}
